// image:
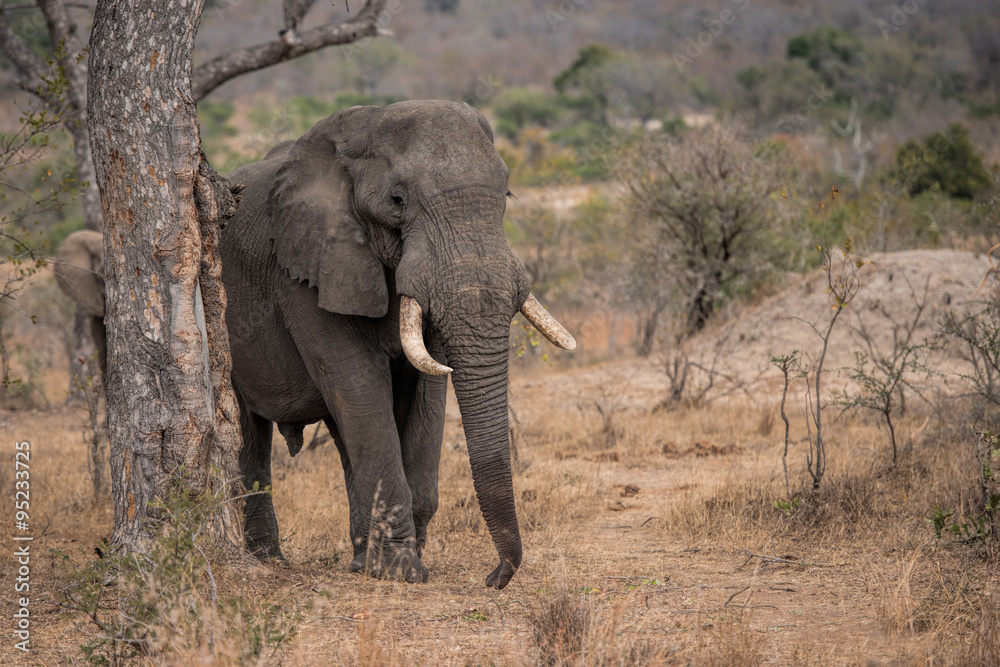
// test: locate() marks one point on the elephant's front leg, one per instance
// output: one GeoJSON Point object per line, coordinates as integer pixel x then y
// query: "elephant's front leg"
{"type": "Point", "coordinates": [381, 504]}
{"type": "Point", "coordinates": [420, 412]}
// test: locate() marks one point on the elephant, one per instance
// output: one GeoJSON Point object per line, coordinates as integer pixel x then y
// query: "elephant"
{"type": "Point", "coordinates": [363, 258]}
{"type": "Point", "coordinates": [79, 269]}
{"type": "Point", "coordinates": [367, 261]}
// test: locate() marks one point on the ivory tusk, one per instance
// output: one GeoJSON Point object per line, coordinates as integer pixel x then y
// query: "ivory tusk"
{"type": "Point", "coordinates": [546, 324]}
{"type": "Point", "coordinates": [411, 334]}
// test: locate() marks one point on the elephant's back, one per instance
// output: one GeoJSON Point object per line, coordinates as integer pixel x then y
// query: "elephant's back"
{"type": "Point", "coordinates": [245, 240]}
{"type": "Point", "coordinates": [259, 172]}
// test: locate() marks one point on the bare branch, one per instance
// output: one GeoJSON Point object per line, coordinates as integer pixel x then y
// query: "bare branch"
{"type": "Point", "coordinates": [214, 73]}
{"type": "Point", "coordinates": [62, 28]}
{"type": "Point", "coordinates": [63, 32]}
{"type": "Point", "coordinates": [33, 68]}
{"type": "Point", "coordinates": [32, 5]}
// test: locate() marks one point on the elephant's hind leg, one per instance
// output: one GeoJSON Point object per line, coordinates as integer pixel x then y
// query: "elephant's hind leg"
{"type": "Point", "coordinates": [261, 527]}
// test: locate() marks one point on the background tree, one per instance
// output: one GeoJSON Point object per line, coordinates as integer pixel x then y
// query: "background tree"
{"type": "Point", "coordinates": [584, 84]}
{"type": "Point", "coordinates": [945, 160]}
{"type": "Point", "coordinates": [23, 246]}
{"type": "Point", "coordinates": [517, 108]}
{"type": "Point", "coordinates": [705, 209]}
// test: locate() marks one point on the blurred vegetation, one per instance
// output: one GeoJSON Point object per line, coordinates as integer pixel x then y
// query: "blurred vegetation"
{"type": "Point", "coordinates": [945, 161]}
{"type": "Point", "coordinates": [897, 111]}
{"type": "Point", "coordinates": [38, 187]}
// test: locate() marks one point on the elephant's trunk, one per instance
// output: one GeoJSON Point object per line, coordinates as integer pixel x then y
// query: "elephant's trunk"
{"type": "Point", "coordinates": [470, 284]}
{"type": "Point", "coordinates": [480, 381]}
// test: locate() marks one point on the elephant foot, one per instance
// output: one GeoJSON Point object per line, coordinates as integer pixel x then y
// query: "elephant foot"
{"type": "Point", "coordinates": [401, 564]}
{"type": "Point", "coordinates": [266, 550]}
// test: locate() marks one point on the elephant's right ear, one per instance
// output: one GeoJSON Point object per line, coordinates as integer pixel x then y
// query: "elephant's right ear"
{"type": "Point", "coordinates": [316, 237]}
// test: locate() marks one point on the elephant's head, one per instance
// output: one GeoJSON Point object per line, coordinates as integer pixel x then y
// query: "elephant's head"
{"type": "Point", "coordinates": [79, 269]}
{"type": "Point", "coordinates": [419, 188]}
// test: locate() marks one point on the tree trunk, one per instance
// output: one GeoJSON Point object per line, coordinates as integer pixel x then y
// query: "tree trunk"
{"type": "Point", "coordinates": [171, 408]}
{"type": "Point", "coordinates": [647, 330]}
{"type": "Point", "coordinates": [90, 198]}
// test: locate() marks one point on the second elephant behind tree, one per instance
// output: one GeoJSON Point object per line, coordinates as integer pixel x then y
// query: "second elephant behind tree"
{"type": "Point", "coordinates": [79, 269]}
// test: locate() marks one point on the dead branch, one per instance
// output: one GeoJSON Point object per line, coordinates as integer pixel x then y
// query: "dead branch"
{"type": "Point", "coordinates": [209, 76]}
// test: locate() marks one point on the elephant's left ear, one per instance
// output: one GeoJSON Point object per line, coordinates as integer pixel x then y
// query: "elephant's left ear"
{"type": "Point", "coordinates": [316, 237]}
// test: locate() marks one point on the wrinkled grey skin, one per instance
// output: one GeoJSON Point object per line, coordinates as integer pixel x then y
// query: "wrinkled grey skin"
{"type": "Point", "coordinates": [79, 269]}
{"type": "Point", "coordinates": [370, 204]}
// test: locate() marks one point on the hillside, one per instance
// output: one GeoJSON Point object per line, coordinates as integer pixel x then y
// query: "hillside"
{"type": "Point", "coordinates": [739, 349]}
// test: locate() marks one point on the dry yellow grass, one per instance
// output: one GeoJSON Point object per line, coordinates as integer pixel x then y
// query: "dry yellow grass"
{"type": "Point", "coordinates": [651, 537]}
{"type": "Point", "coordinates": [638, 538]}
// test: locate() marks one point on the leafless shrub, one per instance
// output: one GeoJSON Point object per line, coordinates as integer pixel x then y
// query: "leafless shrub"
{"type": "Point", "coordinates": [883, 376]}
{"type": "Point", "coordinates": [790, 367]}
{"type": "Point", "coordinates": [691, 382]}
{"type": "Point", "coordinates": [843, 285]}
{"type": "Point", "coordinates": [609, 430]}
{"type": "Point", "coordinates": [560, 627]}
{"type": "Point", "coordinates": [705, 211]}
{"type": "Point", "coordinates": [976, 338]}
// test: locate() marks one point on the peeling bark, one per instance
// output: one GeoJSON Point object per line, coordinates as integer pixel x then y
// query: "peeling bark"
{"type": "Point", "coordinates": [170, 403]}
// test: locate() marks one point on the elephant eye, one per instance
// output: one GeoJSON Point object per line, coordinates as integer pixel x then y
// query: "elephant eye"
{"type": "Point", "coordinates": [398, 200]}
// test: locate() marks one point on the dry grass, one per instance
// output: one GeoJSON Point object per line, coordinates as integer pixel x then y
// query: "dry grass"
{"type": "Point", "coordinates": [650, 538]}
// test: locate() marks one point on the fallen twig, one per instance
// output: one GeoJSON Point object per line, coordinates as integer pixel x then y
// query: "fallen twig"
{"type": "Point", "coordinates": [499, 611]}
{"type": "Point", "coordinates": [782, 561]}
{"type": "Point", "coordinates": [730, 599]}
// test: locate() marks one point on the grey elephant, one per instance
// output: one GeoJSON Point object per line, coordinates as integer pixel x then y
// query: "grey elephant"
{"type": "Point", "coordinates": [343, 241]}
{"type": "Point", "coordinates": [364, 257]}
{"type": "Point", "coordinates": [79, 269]}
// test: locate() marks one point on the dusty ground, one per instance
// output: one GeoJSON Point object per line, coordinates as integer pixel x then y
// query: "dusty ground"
{"type": "Point", "coordinates": [658, 526]}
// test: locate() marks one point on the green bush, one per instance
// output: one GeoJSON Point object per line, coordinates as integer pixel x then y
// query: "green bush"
{"type": "Point", "coordinates": [944, 160]}
{"type": "Point", "coordinates": [517, 108]}
{"type": "Point", "coordinates": [216, 113]}
{"type": "Point", "coordinates": [825, 49]}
